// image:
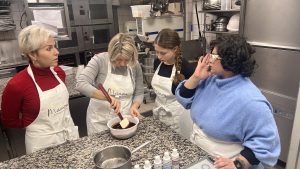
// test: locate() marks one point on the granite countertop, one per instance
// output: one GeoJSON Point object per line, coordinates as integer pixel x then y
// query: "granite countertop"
{"type": "Point", "coordinates": [79, 153]}
{"type": "Point", "coordinates": [70, 83]}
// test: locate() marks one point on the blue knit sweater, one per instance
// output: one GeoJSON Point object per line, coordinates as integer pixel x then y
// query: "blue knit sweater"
{"type": "Point", "coordinates": [235, 110]}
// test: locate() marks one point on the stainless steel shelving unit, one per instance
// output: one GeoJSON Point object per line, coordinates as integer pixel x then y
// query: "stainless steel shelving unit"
{"type": "Point", "coordinates": [226, 13]}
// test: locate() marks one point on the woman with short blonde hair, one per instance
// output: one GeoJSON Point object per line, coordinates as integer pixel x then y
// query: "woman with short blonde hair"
{"type": "Point", "coordinates": [120, 74]}
{"type": "Point", "coordinates": [38, 94]}
{"type": "Point", "coordinates": [32, 38]}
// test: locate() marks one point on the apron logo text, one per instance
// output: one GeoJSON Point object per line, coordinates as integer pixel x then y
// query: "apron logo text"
{"type": "Point", "coordinates": [56, 111]}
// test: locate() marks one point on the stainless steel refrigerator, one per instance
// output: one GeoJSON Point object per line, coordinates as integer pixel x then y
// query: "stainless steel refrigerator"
{"type": "Point", "coordinates": [273, 27]}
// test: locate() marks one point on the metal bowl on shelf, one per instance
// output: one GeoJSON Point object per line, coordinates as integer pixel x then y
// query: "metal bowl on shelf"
{"type": "Point", "coordinates": [220, 27]}
{"type": "Point", "coordinates": [220, 24]}
{"type": "Point", "coordinates": [222, 19]}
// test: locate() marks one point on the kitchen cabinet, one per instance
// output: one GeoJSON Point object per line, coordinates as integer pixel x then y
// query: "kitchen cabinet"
{"type": "Point", "coordinates": [78, 107]}
{"type": "Point", "coordinates": [3, 147]}
{"type": "Point", "coordinates": [16, 139]}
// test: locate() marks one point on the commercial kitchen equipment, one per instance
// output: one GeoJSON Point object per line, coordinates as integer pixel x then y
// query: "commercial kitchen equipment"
{"type": "Point", "coordinates": [90, 12]}
{"type": "Point", "coordinates": [50, 12]}
{"type": "Point", "coordinates": [90, 26]}
{"type": "Point", "coordinates": [294, 150]}
{"type": "Point", "coordinates": [277, 46]}
{"type": "Point", "coordinates": [150, 26]}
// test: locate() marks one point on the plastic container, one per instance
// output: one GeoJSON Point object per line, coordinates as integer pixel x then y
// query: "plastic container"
{"type": "Point", "coordinates": [175, 159]}
{"type": "Point", "coordinates": [147, 164]}
{"type": "Point", "coordinates": [140, 10]}
{"type": "Point", "coordinates": [167, 163]}
{"type": "Point", "coordinates": [157, 163]}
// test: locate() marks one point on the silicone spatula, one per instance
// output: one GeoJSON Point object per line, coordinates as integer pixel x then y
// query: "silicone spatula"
{"type": "Point", "coordinates": [124, 121]}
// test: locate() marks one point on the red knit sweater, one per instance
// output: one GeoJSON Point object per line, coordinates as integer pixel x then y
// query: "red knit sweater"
{"type": "Point", "coordinates": [20, 100]}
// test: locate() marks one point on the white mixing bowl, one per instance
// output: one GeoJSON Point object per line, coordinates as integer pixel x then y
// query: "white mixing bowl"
{"type": "Point", "coordinates": [123, 133]}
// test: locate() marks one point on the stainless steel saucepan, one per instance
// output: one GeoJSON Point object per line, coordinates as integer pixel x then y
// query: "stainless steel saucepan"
{"type": "Point", "coordinates": [115, 157]}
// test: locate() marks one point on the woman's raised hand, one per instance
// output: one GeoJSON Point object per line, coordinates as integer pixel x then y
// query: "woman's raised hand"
{"type": "Point", "coordinates": [202, 70]}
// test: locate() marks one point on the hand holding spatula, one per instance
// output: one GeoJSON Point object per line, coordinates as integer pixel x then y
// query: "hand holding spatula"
{"type": "Point", "coordinates": [124, 121]}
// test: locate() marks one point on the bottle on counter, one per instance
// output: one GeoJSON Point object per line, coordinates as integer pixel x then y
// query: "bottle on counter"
{"type": "Point", "coordinates": [147, 164]}
{"type": "Point", "coordinates": [167, 163]}
{"type": "Point", "coordinates": [136, 166]}
{"type": "Point", "coordinates": [175, 159]}
{"type": "Point", "coordinates": [157, 162]}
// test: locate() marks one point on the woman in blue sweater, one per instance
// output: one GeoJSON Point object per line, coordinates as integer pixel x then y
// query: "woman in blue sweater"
{"type": "Point", "coordinates": [233, 121]}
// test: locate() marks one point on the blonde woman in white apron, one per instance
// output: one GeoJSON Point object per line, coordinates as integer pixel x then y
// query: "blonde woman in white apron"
{"type": "Point", "coordinates": [171, 68]}
{"type": "Point", "coordinates": [121, 76]}
{"type": "Point", "coordinates": [37, 97]}
{"type": "Point", "coordinates": [99, 111]}
{"type": "Point", "coordinates": [233, 121]}
{"type": "Point", "coordinates": [54, 124]}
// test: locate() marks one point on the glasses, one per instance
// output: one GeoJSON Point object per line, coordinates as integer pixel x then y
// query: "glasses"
{"type": "Point", "coordinates": [214, 57]}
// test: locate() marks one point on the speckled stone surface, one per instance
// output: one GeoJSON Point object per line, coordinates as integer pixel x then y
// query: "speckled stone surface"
{"type": "Point", "coordinates": [70, 83]}
{"type": "Point", "coordinates": [79, 153]}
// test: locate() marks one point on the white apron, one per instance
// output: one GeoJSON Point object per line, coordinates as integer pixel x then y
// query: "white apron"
{"type": "Point", "coordinates": [214, 147]}
{"type": "Point", "coordinates": [167, 109]}
{"type": "Point", "coordinates": [99, 111]}
{"type": "Point", "coordinates": [53, 124]}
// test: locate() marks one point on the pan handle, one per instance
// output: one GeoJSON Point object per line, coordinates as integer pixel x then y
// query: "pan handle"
{"type": "Point", "coordinates": [141, 146]}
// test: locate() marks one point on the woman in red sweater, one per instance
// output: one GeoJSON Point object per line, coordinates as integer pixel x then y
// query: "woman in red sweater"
{"type": "Point", "coordinates": [37, 98]}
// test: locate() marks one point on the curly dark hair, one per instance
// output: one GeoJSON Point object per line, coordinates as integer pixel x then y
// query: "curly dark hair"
{"type": "Point", "coordinates": [236, 54]}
